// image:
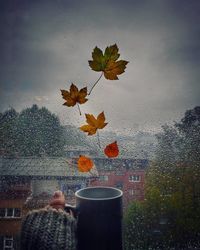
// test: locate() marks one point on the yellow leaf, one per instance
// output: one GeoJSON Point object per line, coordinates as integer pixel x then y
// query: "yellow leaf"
{"type": "Point", "coordinates": [94, 123]}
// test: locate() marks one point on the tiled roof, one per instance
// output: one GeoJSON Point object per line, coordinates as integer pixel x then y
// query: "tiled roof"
{"type": "Point", "coordinates": [41, 167]}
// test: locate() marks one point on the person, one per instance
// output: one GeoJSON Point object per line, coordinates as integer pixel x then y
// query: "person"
{"type": "Point", "coordinates": [49, 228]}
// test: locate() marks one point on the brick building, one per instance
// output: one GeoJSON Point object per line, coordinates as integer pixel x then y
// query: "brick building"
{"type": "Point", "coordinates": [125, 174]}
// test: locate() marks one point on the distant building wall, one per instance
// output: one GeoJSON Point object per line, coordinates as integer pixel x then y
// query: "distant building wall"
{"type": "Point", "coordinates": [12, 212]}
{"type": "Point", "coordinates": [126, 175]}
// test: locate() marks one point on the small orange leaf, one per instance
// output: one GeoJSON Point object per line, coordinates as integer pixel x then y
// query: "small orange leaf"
{"type": "Point", "coordinates": [94, 123]}
{"type": "Point", "coordinates": [74, 96]}
{"type": "Point", "coordinates": [84, 164]}
{"type": "Point", "coordinates": [112, 150]}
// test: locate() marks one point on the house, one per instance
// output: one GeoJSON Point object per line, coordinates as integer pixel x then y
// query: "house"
{"type": "Point", "coordinates": [28, 183]}
{"type": "Point", "coordinates": [125, 174]}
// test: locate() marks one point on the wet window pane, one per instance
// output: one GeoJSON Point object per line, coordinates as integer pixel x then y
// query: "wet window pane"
{"type": "Point", "coordinates": [132, 114]}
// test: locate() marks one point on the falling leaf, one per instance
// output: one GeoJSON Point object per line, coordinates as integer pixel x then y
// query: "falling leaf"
{"type": "Point", "coordinates": [74, 96]}
{"type": "Point", "coordinates": [84, 164]}
{"type": "Point", "coordinates": [94, 123]}
{"type": "Point", "coordinates": [107, 62]}
{"type": "Point", "coordinates": [112, 150]}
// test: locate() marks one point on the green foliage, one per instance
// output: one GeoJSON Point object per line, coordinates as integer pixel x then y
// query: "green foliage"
{"type": "Point", "coordinates": [134, 227]}
{"type": "Point", "coordinates": [171, 210]}
{"type": "Point", "coordinates": [8, 129]}
{"type": "Point", "coordinates": [32, 132]}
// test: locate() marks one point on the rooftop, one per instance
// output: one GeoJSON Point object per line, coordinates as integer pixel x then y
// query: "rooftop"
{"type": "Point", "coordinates": [42, 168]}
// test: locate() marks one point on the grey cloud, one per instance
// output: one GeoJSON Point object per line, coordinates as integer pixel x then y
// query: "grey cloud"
{"type": "Point", "coordinates": [46, 45]}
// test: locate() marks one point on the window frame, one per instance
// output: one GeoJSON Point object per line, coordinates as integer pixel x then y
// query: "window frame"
{"type": "Point", "coordinates": [103, 178]}
{"type": "Point", "coordinates": [5, 246]}
{"type": "Point", "coordinates": [132, 178]}
{"type": "Point", "coordinates": [14, 212]}
{"type": "Point", "coordinates": [134, 192]}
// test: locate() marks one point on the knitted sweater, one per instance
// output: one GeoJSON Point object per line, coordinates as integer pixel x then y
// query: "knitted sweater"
{"type": "Point", "coordinates": [48, 229]}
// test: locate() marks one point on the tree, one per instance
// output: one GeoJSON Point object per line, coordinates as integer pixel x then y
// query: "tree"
{"type": "Point", "coordinates": [189, 132]}
{"type": "Point", "coordinates": [176, 174]}
{"type": "Point", "coordinates": [33, 132]}
{"type": "Point", "coordinates": [8, 120]}
{"type": "Point", "coordinates": [134, 227]}
{"type": "Point", "coordinates": [39, 133]}
{"type": "Point", "coordinates": [171, 210]}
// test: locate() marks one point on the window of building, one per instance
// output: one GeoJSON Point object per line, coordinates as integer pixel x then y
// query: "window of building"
{"type": "Point", "coordinates": [8, 243]}
{"type": "Point", "coordinates": [2, 212]}
{"type": "Point", "coordinates": [134, 192]}
{"type": "Point", "coordinates": [10, 212]}
{"type": "Point", "coordinates": [134, 178]}
{"type": "Point", "coordinates": [131, 192]}
{"type": "Point", "coordinates": [17, 212]}
{"type": "Point", "coordinates": [103, 178]}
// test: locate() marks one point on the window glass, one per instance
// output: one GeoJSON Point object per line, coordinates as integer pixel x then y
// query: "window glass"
{"type": "Point", "coordinates": [8, 242]}
{"type": "Point", "coordinates": [134, 178]}
{"type": "Point", "coordinates": [17, 212]}
{"type": "Point", "coordinates": [103, 178]}
{"type": "Point", "coordinates": [2, 212]}
{"type": "Point", "coordinates": [10, 212]}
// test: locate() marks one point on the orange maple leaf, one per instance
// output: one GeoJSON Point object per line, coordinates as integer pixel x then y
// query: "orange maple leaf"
{"type": "Point", "coordinates": [84, 164]}
{"type": "Point", "coordinates": [94, 123]}
{"type": "Point", "coordinates": [112, 150]}
{"type": "Point", "coordinates": [74, 96]}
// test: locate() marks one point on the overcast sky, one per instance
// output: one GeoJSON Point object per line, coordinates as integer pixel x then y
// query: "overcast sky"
{"type": "Point", "coordinates": [46, 45]}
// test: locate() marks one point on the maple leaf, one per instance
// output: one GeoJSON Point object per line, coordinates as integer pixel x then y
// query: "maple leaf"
{"type": "Point", "coordinates": [112, 150]}
{"type": "Point", "coordinates": [94, 123]}
{"type": "Point", "coordinates": [84, 164]}
{"type": "Point", "coordinates": [74, 96]}
{"type": "Point", "coordinates": [107, 62]}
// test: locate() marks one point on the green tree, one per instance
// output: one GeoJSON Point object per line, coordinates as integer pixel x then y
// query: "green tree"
{"type": "Point", "coordinates": [8, 120]}
{"type": "Point", "coordinates": [39, 132]}
{"type": "Point", "coordinates": [171, 210]}
{"type": "Point", "coordinates": [176, 174]}
{"type": "Point", "coordinates": [189, 136]}
{"type": "Point", "coordinates": [32, 132]}
{"type": "Point", "coordinates": [134, 227]}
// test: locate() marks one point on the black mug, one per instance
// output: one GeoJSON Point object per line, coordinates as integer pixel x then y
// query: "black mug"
{"type": "Point", "coordinates": [99, 218]}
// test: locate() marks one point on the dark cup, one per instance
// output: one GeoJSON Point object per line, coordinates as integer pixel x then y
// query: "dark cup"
{"type": "Point", "coordinates": [99, 214]}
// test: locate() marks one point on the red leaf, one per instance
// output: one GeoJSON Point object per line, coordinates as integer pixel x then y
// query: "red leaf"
{"type": "Point", "coordinates": [112, 150]}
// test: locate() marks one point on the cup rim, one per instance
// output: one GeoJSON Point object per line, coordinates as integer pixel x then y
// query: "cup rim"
{"type": "Point", "coordinates": [99, 199]}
